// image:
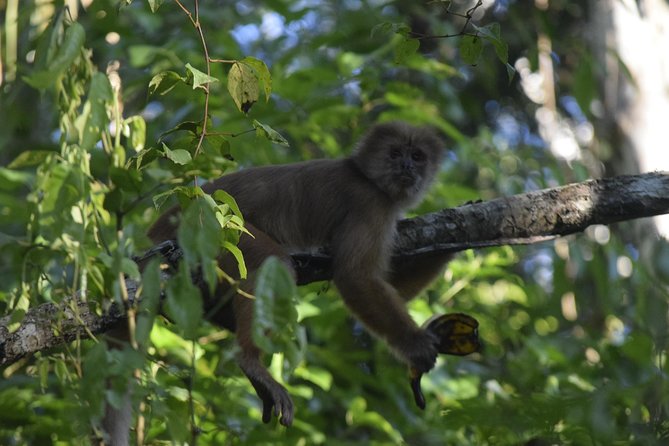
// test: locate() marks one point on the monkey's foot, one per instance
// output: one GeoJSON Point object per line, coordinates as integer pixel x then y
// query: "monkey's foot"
{"type": "Point", "coordinates": [275, 398]}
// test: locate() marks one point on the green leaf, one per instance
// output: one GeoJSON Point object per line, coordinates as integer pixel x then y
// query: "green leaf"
{"type": "Point", "coordinates": [19, 311]}
{"type": "Point", "coordinates": [262, 73]}
{"type": "Point", "coordinates": [164, 82]}
{"type": "Point", "coordinates": [239, 257]}
{"type": "Point", "coordinates": [638, 347]}
{"type": "Point", "coordinates": [223, 197]}
{"type": "Point", "coordinates": [155, 4]}
{"type": "Point", "coordinates": [114, 200]}
{"type": "Point", "coordinates": [149, 304]}
{"type": "Point", "coordinates": [198, 77]}
{"type": "Point", "coordinates": [93, 119]}
{"type": "Point", "coordinates": [492, 33]}
{"type": "Point", "coordinates": [178, 156]}
{"type": "Point", "coordinates": [68, 51]}
{"type": "Point", "coordinates": [199, 235]}
{"type": "Point", "coordinates": [268, 132]}
{"type": "Point", "coordinates": [185, 191]}
{"type": "Point", "coordinates": [388, 28]}
{"type": "Point", "coordinates": [216, 145]}
{"type": "Point", "coordinates": [49, 42]}
{"type": "Point", "coordinates": [128, 180]}
{"type": "Point", "coordinates": [184, 302]}
{"type": "Point", "coordinates": [134, 128]}
{"type": "Point", "coordinates": [405, 49]}
{"type": "Point", "coordinates": [243, 86]}
{"type": "Point", "coordinates": [30, 158]}
{"type": "Point", "coordinates": [510, 72]}
{"type": "Point", "coordinates": [275, 315]}
{"type": "Point", "coordinates": [470, 49]}
{"type": "Point", "coordinates": [185, 126]}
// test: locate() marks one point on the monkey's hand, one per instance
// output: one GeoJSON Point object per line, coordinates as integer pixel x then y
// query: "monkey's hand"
{"type": "Point", "coordinates": [419, 350]}
{"type": "Point", "coordinates": [272, 394]}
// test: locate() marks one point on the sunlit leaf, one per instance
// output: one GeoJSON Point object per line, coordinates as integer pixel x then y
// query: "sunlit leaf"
{"type": "Point", "coordinates": [30, 158]}
{"type": "Point", "coordinates": [177, 156]}
{"type": "Point", "coordinates": [135, 130]}
{"type": "Point", "coordinates": [93, 119]}
{"type": "Point", "coordinates": [268, 132]}
{"type": "Point", "coordinates": [243, 86]}
{"type": "Point", "coordinates": [199, 78]}
{"type": "Point", "coordinates": [155, 4]}
{"type": "Point", "coordinates": [261, 72]}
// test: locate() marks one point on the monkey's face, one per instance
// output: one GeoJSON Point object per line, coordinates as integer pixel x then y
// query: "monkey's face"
{"type": "Point", "coordinates": [400, 159]}
{"type": "Point", "coordinates": [407, 165]}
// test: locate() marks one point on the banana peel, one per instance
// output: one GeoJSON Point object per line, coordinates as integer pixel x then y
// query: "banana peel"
{"type": "Point", "coordinates": [457, 334]}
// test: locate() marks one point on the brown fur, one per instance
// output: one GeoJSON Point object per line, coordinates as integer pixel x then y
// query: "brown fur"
{"type": "Point", "coordinates": [350, 205]}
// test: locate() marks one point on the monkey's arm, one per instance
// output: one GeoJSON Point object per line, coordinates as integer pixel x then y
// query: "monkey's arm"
{"type": "Point", "coordinates": [409, 276]}
{"type": "Point", "coordinates": [358, 274]}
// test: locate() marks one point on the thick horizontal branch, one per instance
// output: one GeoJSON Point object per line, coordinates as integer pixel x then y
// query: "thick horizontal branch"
{"type": "Point", "coordinates": [521, 219]}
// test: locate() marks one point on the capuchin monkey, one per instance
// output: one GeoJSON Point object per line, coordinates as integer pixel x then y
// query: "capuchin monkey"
{"type": "Point", "coordinates": [350, 205]}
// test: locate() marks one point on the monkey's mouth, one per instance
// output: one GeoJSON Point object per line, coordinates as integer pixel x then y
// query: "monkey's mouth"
{"type": "Point", "coordinates": [406, 179]}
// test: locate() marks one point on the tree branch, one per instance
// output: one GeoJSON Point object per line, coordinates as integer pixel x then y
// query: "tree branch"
{"type": "Point", "coordinates": [520, 219]}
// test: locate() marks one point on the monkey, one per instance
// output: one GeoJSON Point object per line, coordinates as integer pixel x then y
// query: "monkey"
{"type": "Point", "coordinates": [350, 205]}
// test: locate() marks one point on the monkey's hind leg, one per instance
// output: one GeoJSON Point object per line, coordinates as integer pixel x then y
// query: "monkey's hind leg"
{"type": "Point", "coordinates": [274, 396]}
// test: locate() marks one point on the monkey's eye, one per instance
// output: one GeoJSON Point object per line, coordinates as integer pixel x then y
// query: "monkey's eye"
{"type": "Point", "coordinates": [417, 156]}
{"type": "Point", "coordinates": [395, 153]}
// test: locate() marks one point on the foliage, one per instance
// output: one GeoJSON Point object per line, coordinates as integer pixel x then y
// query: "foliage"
{"type": "Point", "coordinates": [114, 116]}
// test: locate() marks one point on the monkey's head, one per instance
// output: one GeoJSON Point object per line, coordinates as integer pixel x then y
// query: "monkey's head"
{"type": "Point", "coordinates": [400, 159]}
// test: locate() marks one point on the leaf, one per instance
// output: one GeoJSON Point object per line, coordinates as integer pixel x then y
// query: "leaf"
{"type": "Point", "coordinates": [30, 158]}
{"type": "Point", "coordinates": [223, 197]}
{"type": "Point", "coordinates": [68, 51]}
{"type": "Point", "coordinates": [470, 49]}
{"type": "Point", "coordinates": [178, 156]}
{"type": "Point", "coordinates": [155, 4]}
{"type": "Point", "coordinates": [149, 303]}
{"type": "Point", "coordinates": [198, 77]}
{"type": "Point", "coordinates": [199, 237]}
{"type": "Point", "coordinates": [510, 72]}
{"type": "Point", "coordinates": [134, 129]}
{"type": "Point", "coordinates": [19, 311]}
{"type": "Point", "coordinates": [48, 44]}
{"type": "Point", "coordinates": [93, 119]}
{"type": "Point", "coordinates": [128, 180]}
{"type": "Point", "coordinates": [164, 82]}
{"type": "Point", "coordinates": [186, 191]}
{"type": "Point", "coordinates": [113, 200]}
{"type": "Point", "coordinates": [405, 49]}
{"type": "Point", "coordinates": [184, 302]}
{"type": "Point", "coordinates": [274, 311]}
{"type": "Point", "coordinates": [185, 126]}
{"type": "Point", "coordinates": [239, 257]}
{"type": "Point", "coordinates": [388, 27]}
{"type": "Point", "coordinates": [492, 33]}
{"type": "Point", "coordinates": [262, 73]}
{"type": "Point", "coordinates": [268, 132]}
{"type": "Point", "coordinates": [243, 86]}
